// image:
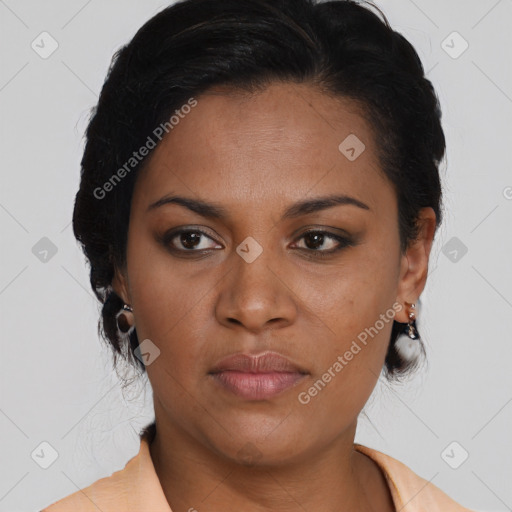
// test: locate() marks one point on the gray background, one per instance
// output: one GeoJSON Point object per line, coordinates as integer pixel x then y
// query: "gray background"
{"type": "Point", "coordinates": [57, 384]}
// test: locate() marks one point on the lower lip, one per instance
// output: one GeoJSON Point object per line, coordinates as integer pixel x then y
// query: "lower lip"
{"type": "Point", "coordinates": [257, 386]}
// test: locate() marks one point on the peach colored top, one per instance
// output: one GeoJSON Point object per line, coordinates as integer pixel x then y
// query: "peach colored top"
{"type": "Point", "coordinates": [136, 488]}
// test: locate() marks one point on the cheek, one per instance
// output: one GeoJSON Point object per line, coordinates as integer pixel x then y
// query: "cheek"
{"type": "Point", "coordinates": [354, 296]}
{"type": "Point", "coordinates": [359, 315]}
{"type": "Point", "coordinates": [357, 308]}
{"type": "Point", "coordinates": [167, 304]}
{"type": "Point", "coordinates": [167, 317]}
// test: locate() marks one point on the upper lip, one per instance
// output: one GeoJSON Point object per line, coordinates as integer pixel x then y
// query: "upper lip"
{"type": "Point", "coordinates": [266, 362]}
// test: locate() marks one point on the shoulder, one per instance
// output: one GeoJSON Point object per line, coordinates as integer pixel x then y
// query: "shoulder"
{"type": "Point", "coordinates": [410, 492]}
{"type": "Point", "coordinates": [135, 487]}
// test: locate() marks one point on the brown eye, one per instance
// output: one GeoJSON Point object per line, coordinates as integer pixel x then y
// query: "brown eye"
{"type": "Point", "coordinates": [188, 240]}
{"type": "Point", "coordinates": [323, 243]}
{"type": "Point", "coordinates": [314, 240]}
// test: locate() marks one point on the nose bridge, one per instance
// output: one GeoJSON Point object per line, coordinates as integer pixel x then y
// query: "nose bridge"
{"type": "Point", "coordinates": [254, 294]}
{"type": "Point", "coordinates": [253, 280]}
{"type": "Point", "coordinates": [252, 262]}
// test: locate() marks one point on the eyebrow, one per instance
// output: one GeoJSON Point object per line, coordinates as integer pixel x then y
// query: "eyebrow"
{"type": "Point", "coordinates": [215, 211]}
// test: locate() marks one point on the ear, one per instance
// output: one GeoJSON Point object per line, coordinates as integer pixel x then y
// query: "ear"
{"type": "Point", "coordinates": [414, 263]}
{"type": "Point", "coordinates": [120, 285]}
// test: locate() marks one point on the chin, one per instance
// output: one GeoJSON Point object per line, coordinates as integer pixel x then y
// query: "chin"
{"type": "Point", "coordinates": [260, 441]}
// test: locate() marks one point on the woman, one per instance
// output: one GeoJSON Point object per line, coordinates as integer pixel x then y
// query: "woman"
{"type": "Point", "coordinates": [258, 201]}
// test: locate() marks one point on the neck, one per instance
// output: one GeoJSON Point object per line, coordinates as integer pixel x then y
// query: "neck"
{"type": "Point", "coordinates": [333, 479]}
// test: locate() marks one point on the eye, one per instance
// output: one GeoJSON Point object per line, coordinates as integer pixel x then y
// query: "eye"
{"type": "Point", "coordinates": [323, 243]}
{"type": "Point", "coordinates": [188, 240]}
{"type": "Point", "coordinates": [316, 242]}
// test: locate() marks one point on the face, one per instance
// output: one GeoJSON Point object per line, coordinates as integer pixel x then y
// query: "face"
{"type": "Point", "coordinates": [269, 268]}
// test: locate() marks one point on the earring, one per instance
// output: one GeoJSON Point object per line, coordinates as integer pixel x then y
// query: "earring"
{"type": "Point", "coordinates": [409, 346]}
{"type": "Point", "coordinates": [125, 319]}
{"type": "Point", "coordinates": [411, 329]}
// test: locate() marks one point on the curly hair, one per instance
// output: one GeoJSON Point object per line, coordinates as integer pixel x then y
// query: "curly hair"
{"type": "Point", "coordinates": [340, 47]}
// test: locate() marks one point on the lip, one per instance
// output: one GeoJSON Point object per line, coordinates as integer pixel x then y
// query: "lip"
{"type": "Point", "coordinates": [257, 377]}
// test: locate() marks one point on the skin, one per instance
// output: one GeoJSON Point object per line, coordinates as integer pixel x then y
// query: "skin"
{"type": "Point", "coordinates": [255, 155]}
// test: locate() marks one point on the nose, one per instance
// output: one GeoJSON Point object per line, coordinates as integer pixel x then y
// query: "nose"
{"type": "Point", "coordinates": [258, 295]}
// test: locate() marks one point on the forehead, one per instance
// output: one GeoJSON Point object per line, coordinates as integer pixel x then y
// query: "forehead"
{"type": "Point", "coordinates": [289, 139]}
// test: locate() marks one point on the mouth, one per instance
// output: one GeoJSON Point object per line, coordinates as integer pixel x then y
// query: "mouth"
{"type": "Point", "coordinates": [258, 377]}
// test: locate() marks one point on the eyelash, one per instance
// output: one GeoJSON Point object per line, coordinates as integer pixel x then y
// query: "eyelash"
{"type": "Point", "coordinates": [343, 242]}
